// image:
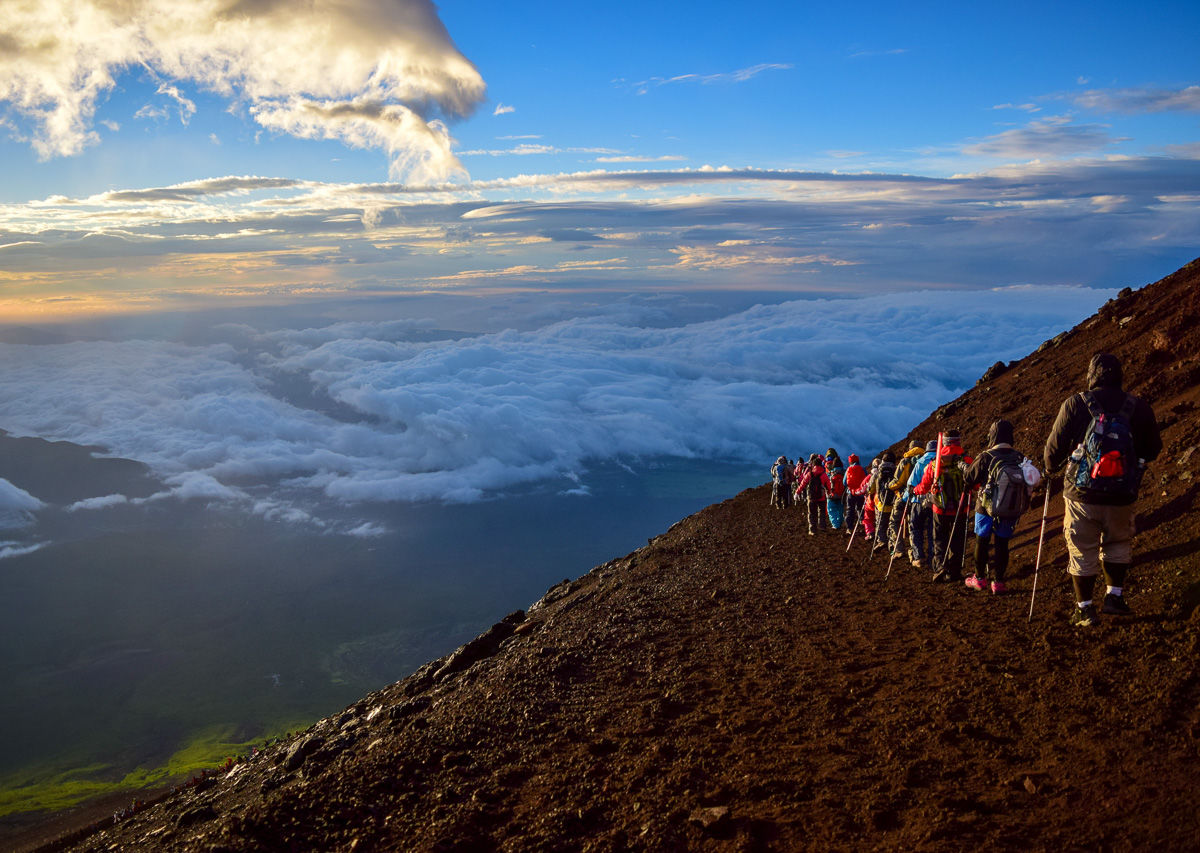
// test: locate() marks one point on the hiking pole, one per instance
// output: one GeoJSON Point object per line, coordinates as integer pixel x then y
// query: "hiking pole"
{"type": "Point", "coordinates": [1038, 563]}
{"type": "Point", "coordinates": [899, 538]}
{"type": "Point", "coordinates": [855, 531]}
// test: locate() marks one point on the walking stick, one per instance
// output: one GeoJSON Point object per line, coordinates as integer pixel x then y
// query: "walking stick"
{"type": "Point", "coordinates": [855, 531]}
{"type": "Point", "coordinates": [1038, 563]}
{"type": "Point", "coordinates": [899, 537]}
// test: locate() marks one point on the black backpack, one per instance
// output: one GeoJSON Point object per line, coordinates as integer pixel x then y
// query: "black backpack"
{"type": "Point", "coordinates": [884, 475]}
{"type": "Point", "coordinates": [1105, 462]}
{"type": "Point", "coordinates": [1006, 494]}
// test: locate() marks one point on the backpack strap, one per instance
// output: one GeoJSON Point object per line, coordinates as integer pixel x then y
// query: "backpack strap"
{"type": "Point", "coordinates": [1127, 408]}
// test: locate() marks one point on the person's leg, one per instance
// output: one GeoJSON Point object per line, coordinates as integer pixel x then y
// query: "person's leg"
{"type": "Point", "coordinates": [1116, 556]}
{"type": "Point", "coordinates": [941, 539]}
{"type": "Point", "coordinates": [1082, 534]}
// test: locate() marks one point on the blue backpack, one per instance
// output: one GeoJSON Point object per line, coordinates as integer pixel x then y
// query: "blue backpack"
{"type": "Point", "coordinates": [1105, 462]}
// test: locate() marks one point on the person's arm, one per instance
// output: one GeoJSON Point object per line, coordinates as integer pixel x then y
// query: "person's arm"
{"type": "Point", "coordinates": [1064, 435]}
{"type": "Point", "coordinates": [1146, 437]}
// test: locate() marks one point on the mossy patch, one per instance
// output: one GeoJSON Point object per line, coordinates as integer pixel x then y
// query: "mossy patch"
{"type": "Point", "coordinates": [61, 789]}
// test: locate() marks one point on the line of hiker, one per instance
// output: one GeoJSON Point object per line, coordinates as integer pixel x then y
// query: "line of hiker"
{"type": "Point", "coordinates": [922, 505]}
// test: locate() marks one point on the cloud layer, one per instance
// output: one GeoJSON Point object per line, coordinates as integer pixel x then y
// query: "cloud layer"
{"type": "Point", "coordinates": [377, 412]}
{"type": "Point", "coordinates": [366, 73]}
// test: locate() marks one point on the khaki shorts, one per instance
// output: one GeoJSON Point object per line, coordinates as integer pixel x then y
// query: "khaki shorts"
{"type": "Point", "coordinates": [1096, 533]}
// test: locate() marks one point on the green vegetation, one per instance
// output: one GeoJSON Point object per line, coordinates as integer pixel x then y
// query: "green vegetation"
{"type": "Point", "coordinates": [53, 791]}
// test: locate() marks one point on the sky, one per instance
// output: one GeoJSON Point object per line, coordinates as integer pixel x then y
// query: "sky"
{"type": "Point", "coordinates": [402, 251]}
{"type": "Point", "coordinates": [165, 156]}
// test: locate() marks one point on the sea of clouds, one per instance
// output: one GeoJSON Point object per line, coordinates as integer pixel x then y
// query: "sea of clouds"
{"type": "Point", "coordinates": [283, 420]}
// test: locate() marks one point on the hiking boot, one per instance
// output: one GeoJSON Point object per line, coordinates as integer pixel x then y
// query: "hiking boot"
{"type": "Point", "coordinates": [1115, 605]}
{"type": "Point", "coordinates": [941, 576]}
{"type": "Point", "coordinates": [1085, 617]}
{"type": "Point", "coordinates": [976, 582]}
{"type": "Point", "coordinates": [918, 563]}
{"type": "Point", "coordinates": [998, 588]}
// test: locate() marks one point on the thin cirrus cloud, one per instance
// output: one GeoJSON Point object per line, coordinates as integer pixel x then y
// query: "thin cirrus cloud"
{"type": "Point", "coordinates": [741, 75]}
{"type": "Point", "coordinates": [378, 75]}
{"type": "Point", "coordinates": [1140, 100]}
{"type": "Point", "coordinates": [460, 418]}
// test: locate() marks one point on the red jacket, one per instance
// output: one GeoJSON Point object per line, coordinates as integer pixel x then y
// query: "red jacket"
{"type": "Point", "coordinates": [815, 474]}
{"type": "Point", "coordinates": [855, 475]}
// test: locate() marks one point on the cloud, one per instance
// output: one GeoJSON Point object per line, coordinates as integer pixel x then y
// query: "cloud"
{"type": "Point", "coordinates": [503, 109]}
{"type": "Point", "coordinates": [278, 422]}
{"type": "Point", "coordinates": [103, 502]}
{"type": "Point", "coordinates": [1053, 137]}
{"type": "Point", "coordinates": [1139, 100]}
{"type": "Point", "coordinates": [741, 75]}
{"type": "Point", "coordinates": [729, 254]}
{"type": "Point", "coordinates": [895, 51]}
{"type": "Point", "coordinates": [633, 158]}
{"type": "Point", "coordinates": [15, 549]}
{"type": "Point", "coordinates": [243, 240]}
{"type": "Point", "coordinates": [361, 72]}
{"type": "Point", "coordinates": [16, 506]}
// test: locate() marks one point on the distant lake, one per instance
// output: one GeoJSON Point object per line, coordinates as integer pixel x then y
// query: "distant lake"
{"type": "Point", "coordinates": [151, 636]}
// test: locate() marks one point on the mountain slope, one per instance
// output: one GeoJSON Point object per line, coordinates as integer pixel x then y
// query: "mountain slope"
{"type": "Point", "coordinates": [738, 685]}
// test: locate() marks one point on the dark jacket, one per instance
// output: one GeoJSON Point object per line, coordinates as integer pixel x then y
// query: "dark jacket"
{"type": "Point", "coordinates": [1070, 427]}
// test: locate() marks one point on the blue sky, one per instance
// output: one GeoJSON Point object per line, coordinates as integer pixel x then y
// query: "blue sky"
{"type": "Point", "coordinates": [160, 156]}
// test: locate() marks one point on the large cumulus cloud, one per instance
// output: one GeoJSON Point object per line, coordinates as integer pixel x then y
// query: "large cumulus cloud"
{"type": "Point", "coordinates": [368, 73]}
{"type": "Point", "coordinates": [386, 414]}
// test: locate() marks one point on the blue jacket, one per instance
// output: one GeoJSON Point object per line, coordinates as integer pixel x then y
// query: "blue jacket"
{"type": "Point", "coordinates": [919, 467]}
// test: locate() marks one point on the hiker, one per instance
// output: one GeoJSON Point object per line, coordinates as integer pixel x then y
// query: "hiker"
{"type": "Point", "coordinates": [899, 485]}
{"type": "Point", "coordinates": [1004, 492]}
{"type": "Point", "coordinates": [814, 485]}
{"type": "Point", "coordinates": [781, 483]}
{"type": "Point", "coordinates": [920, 516]}
{"type": "Point", "coordinates": [852, 481]}
{"type": "Point", "coordinates": [1105, 436]}
{"type": "Point", "coordinates": [835, 501]}
{"type": "Point", "coordinates": [868, 500]}
{"type": "Point", "coordinates": [883, 497]}
{"type": "Point", "coordinates": [943, 482]}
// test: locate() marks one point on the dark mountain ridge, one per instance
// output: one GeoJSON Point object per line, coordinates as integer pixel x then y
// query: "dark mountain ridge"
{"type": "Point", "coordinates": [737, 685]}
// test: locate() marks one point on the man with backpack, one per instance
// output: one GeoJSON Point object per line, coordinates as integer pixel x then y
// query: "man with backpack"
{"type": "Point", "coordinates": [920, 516]}
{"type": "Point", "coordinates": [814, 485]}
{"type": "Point", "coordinates": [1004, 497]}
{"type": "Point", "coordinates": [781, 483]}
{"type": "Point", "coordinates": [1105, 436]}
{"type": "Point", "coordinates": [835, 502]}
{"type": "Point", "coordinates": [899, 485]}
{"type": "Point", "coordinates": [882, 497]}
{"type": "Point", "coordinates": [943, 481]}
{"type": "Point", "coordinates": [853, 481]}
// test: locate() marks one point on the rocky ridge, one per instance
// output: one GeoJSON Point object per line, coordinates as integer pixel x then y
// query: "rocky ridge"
{"type": "Point", "coordinates": [738, 685]}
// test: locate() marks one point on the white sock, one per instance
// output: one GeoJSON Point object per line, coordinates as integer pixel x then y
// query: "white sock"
{"type": "Point", "coordinates": [1115, 590]}
{"type": "Point", "coordinates": [1083, 604]}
